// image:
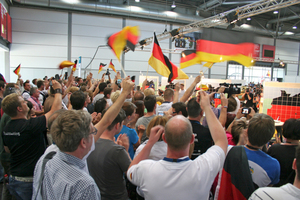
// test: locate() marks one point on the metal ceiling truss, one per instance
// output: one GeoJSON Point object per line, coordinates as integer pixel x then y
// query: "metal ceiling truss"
{"type": "Point", "coordinates": [218, 20]}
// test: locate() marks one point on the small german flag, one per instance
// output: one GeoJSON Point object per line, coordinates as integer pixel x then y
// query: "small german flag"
{"type": "Point", "coordinates": [65, 64]}
{"type": "Point", "coordinates": [74, 66]}
{"type": "Point", "coordinates": [111, 65]}
{"type": "Point", "coordinates": [17, 70]}
{"type": "Point", "coordinates": [101, 67]}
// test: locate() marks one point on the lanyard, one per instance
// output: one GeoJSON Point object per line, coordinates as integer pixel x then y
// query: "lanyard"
{"type": "Point", "coordinates": [37, 103]}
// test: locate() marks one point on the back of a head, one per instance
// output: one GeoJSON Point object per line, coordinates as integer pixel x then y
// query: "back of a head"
{"type": "Point", "coordinates": [157, 120]}
{"type": "Point", "coordinates": [120, 117]}
{"type": "Point", "coordinates": [2, 84]}
{"type": "Point", "coordinates": [138, 96]}
{"type": "Point", "coordinates": [140, 108]}
{"type": "Point", "coordinates": [102, 86]}
{"type": "Point", "coordinates": [129, 108]}
{"type": "Point", "coordinates": [9, 90]}
{"type": "Point", "coordinates": [77, 100]}
{"type": "Point", "coordinates": [54, 116]}
{"type": "Point", "coordinates": [68, 129]}
{"type": "Point", "coordinates": [148, 92]}
{"type": "Point", "coordinates": [298, 162]}
{"type": "Point", "coordinates": [232, 104]}
{"type": "Point", "coordinates": [260, 129]}
{"type": "Point", "coordinates": [178, 132]}
{"type": "Point", "coordinates": [168, 95]}
{"type": "Point", "coordinates": [39, 83]}
{"type": "Point", "coordinates": [114, 96]}
{"type": "Point", "coordinates": [180, 107]}
{"type": "Point", "coordinates": [10, 104]}
{"type": "Point", "coordinates": [150, 102]}
{"type": "Point", "coordinates": [193, 108]}
{"type": "Point", "coordinates": [291, 129]}
{"type": "Point", "coordinates": [237, 129]}
{"type": "Point", "coordinates": [107, 91]}
{"type": "Point", "coordinates": [100, 105]}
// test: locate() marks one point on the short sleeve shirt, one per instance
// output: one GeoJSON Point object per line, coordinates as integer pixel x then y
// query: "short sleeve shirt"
{"type": "Point", "coordinates": [133, 138]}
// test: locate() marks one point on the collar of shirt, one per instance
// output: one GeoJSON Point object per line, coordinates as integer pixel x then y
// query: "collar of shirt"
{"type": "Point", "coordinates": [71, 160]}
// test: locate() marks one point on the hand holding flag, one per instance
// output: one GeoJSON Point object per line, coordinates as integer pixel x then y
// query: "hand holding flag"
{"type": "Point", "coordinates": [74, 66]}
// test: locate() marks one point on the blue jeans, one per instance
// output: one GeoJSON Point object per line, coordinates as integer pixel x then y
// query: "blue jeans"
{"type": "Point", "coordinates": [19, 189]}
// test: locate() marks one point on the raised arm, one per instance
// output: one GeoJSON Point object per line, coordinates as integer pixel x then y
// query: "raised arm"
{"type": "Point", "coordinates": [216, 130]}
{"type": "Point", "coordinates": [223, 114]}
{"type": "Point", "coordinates": [57, 99]}
{"type": "Point", "coordinates": [113, 111]}
{"type": "Point", "coordinates": [176, 93]}
{"type": "Point", "coordinates": [190, 90]}
{"type": "Point", "coordinates": [154, 136]}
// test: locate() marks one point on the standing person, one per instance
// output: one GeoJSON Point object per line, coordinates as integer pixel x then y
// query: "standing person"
{"type": "Point", "coordinates": [182, 91]}
{"type": "Point", "coordinates": [176, 176]}
{"type": "Point", "coordinates": [34, 99]}
{"type": "Point", "coordinates": [25, 140]}
{"type": "Point", "coordinates": [26, 94]}
{"type": "Point", "coordinates": [248, 98]}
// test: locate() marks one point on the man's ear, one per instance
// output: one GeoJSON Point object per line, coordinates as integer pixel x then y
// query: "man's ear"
{"type": "Point", "coordinates": [192, 139]}
{"type": "Point", "coordinates": [164, 138]}
{"type": "Point", "coordinates": [19, 108]}
{"type": "Point", "coordinates": [294, 166]}
{"type": "Point", "coordinates": [83, 143]}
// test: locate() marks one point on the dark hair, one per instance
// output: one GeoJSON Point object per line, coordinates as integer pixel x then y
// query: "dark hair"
{"type": "Point", "coordinates": [138, 96]}
{"type": "Point", "coordinates": [107, 91]}
{"type": "Point", "coordinates": [34, 80]}
{"type": "Point", "coordinates": [102, 86]}
{"type": "Point", "coordinates": [193, 108]}
{"type": "Point", "coordinates": [25, 83]}
{"type": "Point", "coordinates": [150, 102]}
{"type": "Point", "coordinates": [261, 129]}
{"type": "Point", "coordinates": [2, 84]}
{"type": "Point", "coordinates": [29, 104]}
{"type": "Point", "coordinates": [291, 129]}
{"type": "Point", "coordinates": [180, 106]}
{"type": "Point", "coordinates": [77, 100]}
{"type": "Point", "coordinates": [140, 108]}
{"type": "Point", "coordinates": [298, 161]}
{"type": "Point", "coordinates": [39, 83]}
{"type": "Point", "coordinates": [120, 117]}
{"type": "Point", "coordinates": [129, 108]}
{"type": "Point", "coordinates": [8, 91]}
{"type": "Point", "coordinates": [232, 104]}
{"type": "Point", "coordinates": [100, 105]}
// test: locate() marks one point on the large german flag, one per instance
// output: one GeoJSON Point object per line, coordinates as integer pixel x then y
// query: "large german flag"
{"type": "Point", "coordinates": [235, 181]}
{"type": "Point", "coordinates": [188, 58]}
{"type": "Point", "coordinates": [129, 36]}
{"type": "Point", "coordinates": [17, 70]}
{"type": "Point", "coordinates": [163, 65]}
{"type": "Point", "coordinates": [212, 52]}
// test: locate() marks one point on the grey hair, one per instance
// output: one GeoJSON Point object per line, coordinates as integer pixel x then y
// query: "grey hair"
{"type": "Point", "coordinates": [32, 90]}
{"type": "Point", "coordinates": [69, 128]}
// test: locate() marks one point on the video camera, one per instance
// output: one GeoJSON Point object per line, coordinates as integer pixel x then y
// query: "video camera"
{"type": "Point", "coordinates": [231, 88]}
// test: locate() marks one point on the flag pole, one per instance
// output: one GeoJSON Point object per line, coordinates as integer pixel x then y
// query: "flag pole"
{"type": "Point", "coordinates": [147, 72]}
{"type": "Point", "coordinates": [122, 69]}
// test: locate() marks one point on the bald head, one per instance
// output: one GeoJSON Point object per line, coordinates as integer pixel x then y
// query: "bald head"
{"type": "Point", "coordinates": [178, 132]}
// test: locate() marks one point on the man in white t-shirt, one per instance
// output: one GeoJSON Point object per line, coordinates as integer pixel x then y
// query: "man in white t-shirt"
{"type": "Point", "coordinates": [288, 191]}
{"type": "Point", "coordinates": [176, 176]}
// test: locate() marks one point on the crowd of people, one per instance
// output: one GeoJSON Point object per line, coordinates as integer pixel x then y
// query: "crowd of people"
{"type": "Point", "coordinates": [88, 139]}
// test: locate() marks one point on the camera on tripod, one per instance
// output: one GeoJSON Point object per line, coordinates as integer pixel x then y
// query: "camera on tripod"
{"type": "Point", "coordinates": [231, 88]}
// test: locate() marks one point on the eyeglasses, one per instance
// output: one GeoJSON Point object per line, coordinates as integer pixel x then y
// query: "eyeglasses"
{"type": "Point", "coordinates": [94, 131]}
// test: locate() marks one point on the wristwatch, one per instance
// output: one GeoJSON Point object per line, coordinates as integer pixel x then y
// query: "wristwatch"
{"type": "Point", "coordinates": [58, 90]}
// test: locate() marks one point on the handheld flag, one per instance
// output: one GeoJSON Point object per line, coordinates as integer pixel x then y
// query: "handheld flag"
{"type": "Point", "coordinates": [101, 67]}
{"type": "Point", "coordinates": [111, 65]}
{"type": "Point", "coordinates": [17, 70]}
{"type": "Point", "coordinates": [127, 36]}
{"type": "Point", "coordinates": [65, 64]}
{"type": "Point", "coordinates": [163, 65]}
{"type": "Point", "coordinates": [74, 66]}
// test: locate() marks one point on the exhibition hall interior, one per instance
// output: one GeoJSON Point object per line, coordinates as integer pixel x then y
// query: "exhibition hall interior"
{"type": "Point", "coordinates": [150, 99]}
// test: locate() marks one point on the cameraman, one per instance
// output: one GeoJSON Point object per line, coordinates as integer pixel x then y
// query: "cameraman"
{"type": "Point", "coordinates": [248, 98]}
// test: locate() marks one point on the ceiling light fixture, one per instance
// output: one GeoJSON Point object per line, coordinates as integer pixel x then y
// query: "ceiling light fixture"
{"type": "Point", "coordinates": [249, 19]}
{"type": "Point", "coordinates": [173, 5]}
{"type": "Point", "coordinates": [137, 0]}
{"type": "Point", "coordinates": [294, 27]}
{"type": "Point", "coordinates": [275, 12]}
